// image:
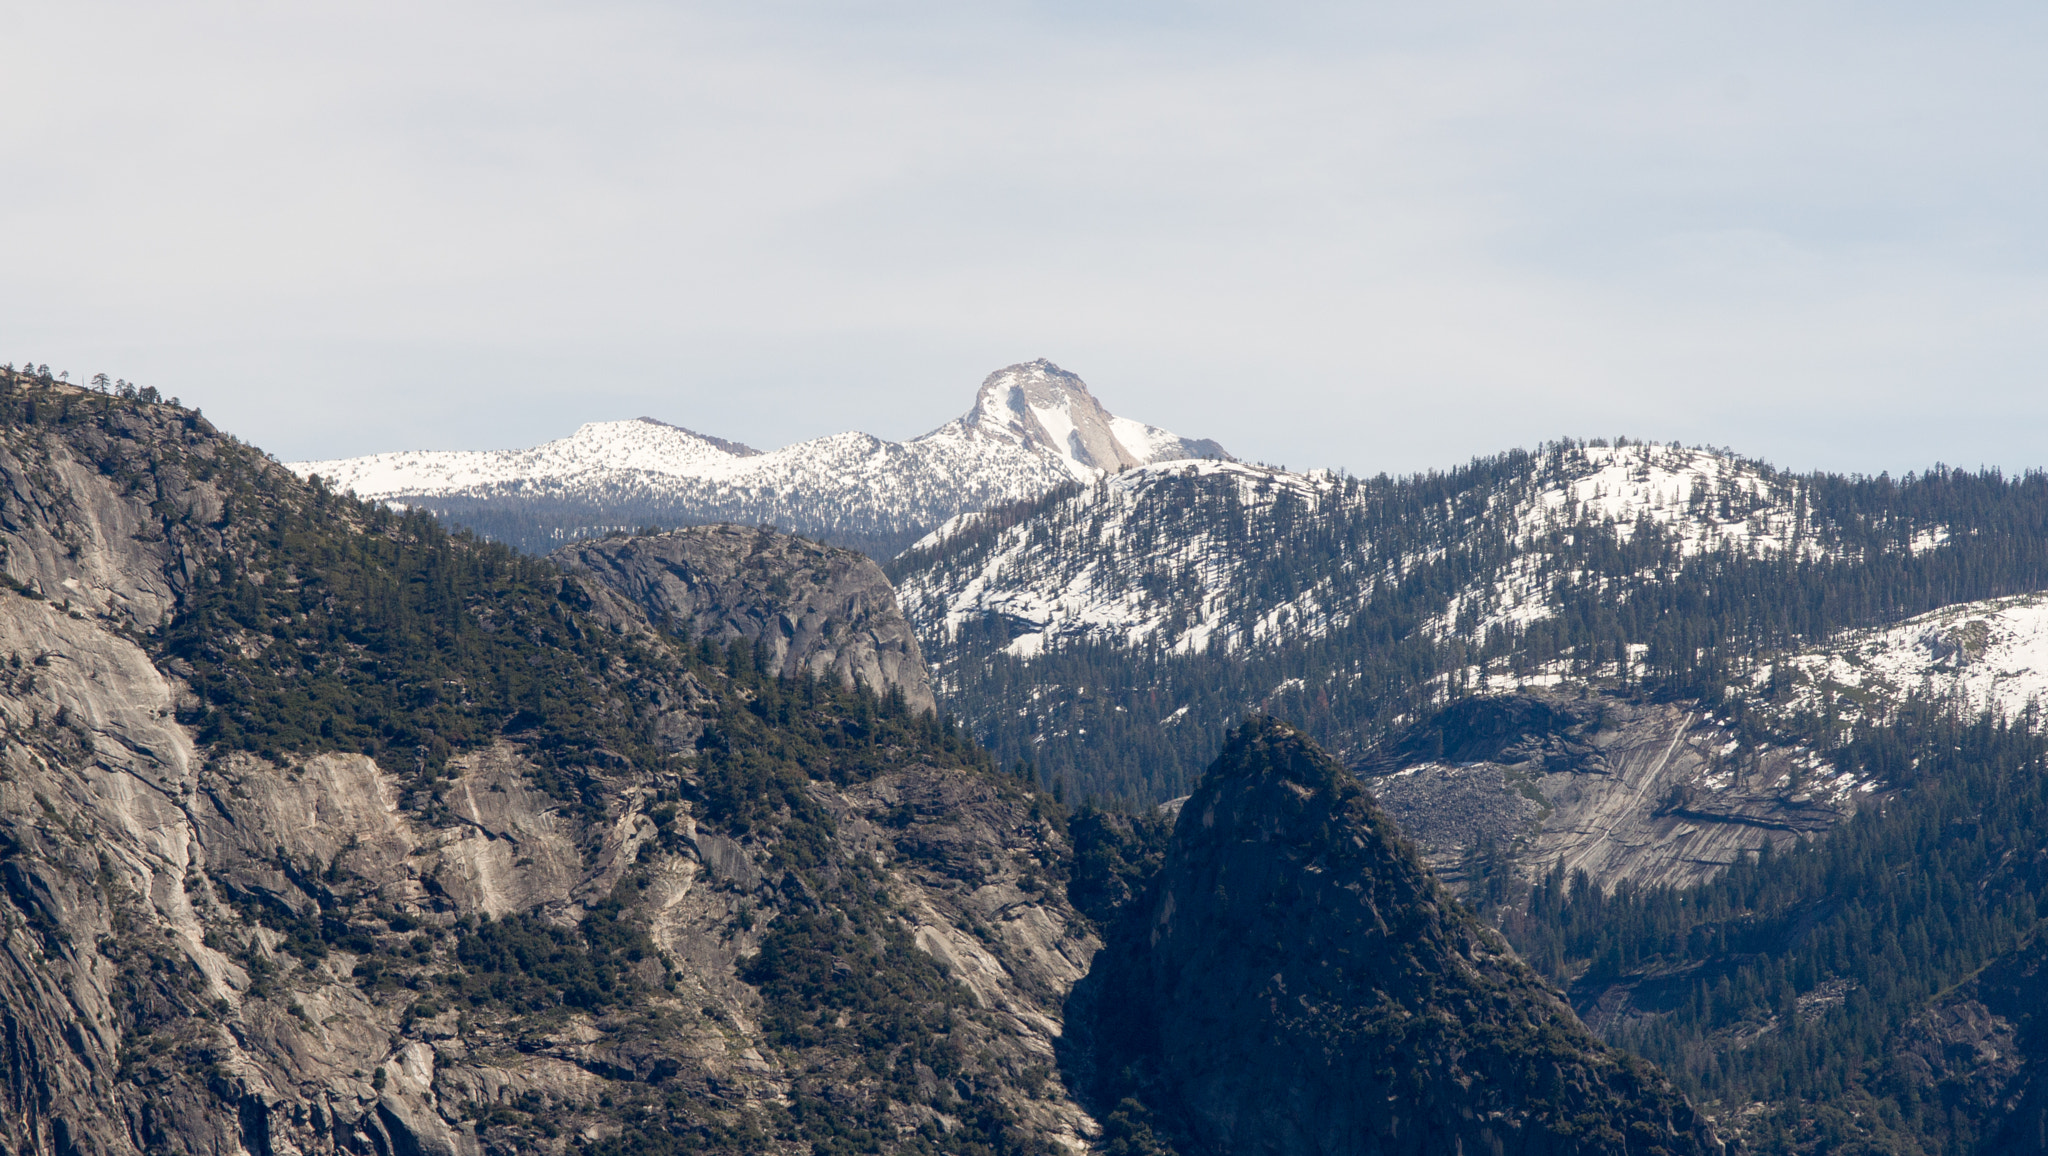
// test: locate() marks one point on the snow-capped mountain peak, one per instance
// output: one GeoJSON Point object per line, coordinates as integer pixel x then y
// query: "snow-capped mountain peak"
{"type": "Point", "coordinates": [1042, 408]}
{"type": "Point", "coordinates": [1039, 404]}
{"type": "Point", "coordinates": [1033, 426]}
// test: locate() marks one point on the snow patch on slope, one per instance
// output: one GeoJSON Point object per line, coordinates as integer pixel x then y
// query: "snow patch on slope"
{"type": "Point", "coordinates": [1707, 499]}
{"type": "Point", "coordinates": [1063, 593]}
{"type": "Point", "coordinates": [1700, 500]}
{"type": "Point", "coordinates": [1990, 655]}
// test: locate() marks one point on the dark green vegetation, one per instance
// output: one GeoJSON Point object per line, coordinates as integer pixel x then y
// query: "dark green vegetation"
{"type": "Point", "coordinates": [1115, 857]}
{"type": "Point", "coordinates": [542, 524]}
{"type": "Point", "coordinates": [1294, 980]}
{"type": "Point", "coordinates": [403, 642]}
{"type": "Point", "coordinates": [1804, 980]}
{"type": "Point", "coordinates": [866, 1018]}
{"type": "Point", "coordinates": [1096, 715]}
{"type": "Point", "coordinates": [523, 963]}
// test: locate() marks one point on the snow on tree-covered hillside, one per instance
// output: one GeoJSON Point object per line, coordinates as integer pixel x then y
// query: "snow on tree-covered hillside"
{"type": "Point", "coordinates": [1985, 655]}
{"type": "Point", "coordinates": [1111, 630]}
{"type": "Point", "coordinates": [1176, 556]}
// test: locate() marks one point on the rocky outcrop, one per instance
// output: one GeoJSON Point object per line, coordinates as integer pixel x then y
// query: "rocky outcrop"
{"type": "Point", "coordinates": [1619, 787]}
{"type": "Point", "coordinates": [818, 609]}
{"type": "Point", "coordinates": [1294, 981]}
{"type": "Point", "coordinates": [115, 517]}
{"type": "Point", "coordinates": [1037, 404]}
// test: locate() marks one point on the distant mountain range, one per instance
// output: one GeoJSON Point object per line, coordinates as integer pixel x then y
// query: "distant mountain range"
{"type": "Point", "coordinates": [1033, 426]}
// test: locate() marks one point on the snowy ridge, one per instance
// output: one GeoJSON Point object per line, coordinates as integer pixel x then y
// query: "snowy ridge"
{"type": "Point", "coordinates": [1163, 555]}
{"type": "Point", "coordinates": [1990, 655]}
{"type": "Point", "coordinates": [1701, 500]}
{"type": "Point", "coordinates": [641, 445]}
{"type": "Point", "coordinates": [1033, 426]}
{"type": "Point", "coordinates": [1709, 499]}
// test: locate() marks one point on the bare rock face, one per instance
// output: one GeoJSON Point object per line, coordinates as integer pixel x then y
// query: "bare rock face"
{"type": "Point", "coordinates": [212, 943]}
{"type": "Point", "coordinates": [1295, 982]}
{"type": "Point", "coordinates": [115, 518]}
{"type": "Point", "coordinates": [1622, 789]}
{"type": "Point", "coordinates": [818, 609]}
{"type": "Point", "coordinates": [1038, 404]}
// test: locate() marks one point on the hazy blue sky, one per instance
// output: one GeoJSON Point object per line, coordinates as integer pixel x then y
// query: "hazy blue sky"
{"type": "Point", "coordinates": [1369, 236]}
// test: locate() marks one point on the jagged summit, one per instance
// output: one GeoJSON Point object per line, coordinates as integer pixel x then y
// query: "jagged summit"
{"type": "Point", "coordinates": [1033, 426]}
{"type": "Point", "coordinates": [1039, 406]}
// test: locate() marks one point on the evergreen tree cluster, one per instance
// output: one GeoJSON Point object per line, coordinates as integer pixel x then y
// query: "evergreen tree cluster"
{"type": "Point", "coordinates": [1795, 979]}
{"type": "Point", "coordinates": [406, 643]}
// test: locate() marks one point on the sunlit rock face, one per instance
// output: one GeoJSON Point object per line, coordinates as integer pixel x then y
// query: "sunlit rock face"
{"type": "Point", "coordinates": [816, 609]}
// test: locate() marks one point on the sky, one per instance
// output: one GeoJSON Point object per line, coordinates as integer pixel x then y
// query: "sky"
{"type": "Point", "coordinates": [1367, 236]}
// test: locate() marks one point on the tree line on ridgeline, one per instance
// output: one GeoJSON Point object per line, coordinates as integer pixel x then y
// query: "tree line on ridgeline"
{"type": "Point", "coordinates": [1107, 719]}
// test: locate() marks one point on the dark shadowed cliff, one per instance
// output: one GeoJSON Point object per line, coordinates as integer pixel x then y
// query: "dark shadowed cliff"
{"type": "Point", "coordinates": [1295, 982]}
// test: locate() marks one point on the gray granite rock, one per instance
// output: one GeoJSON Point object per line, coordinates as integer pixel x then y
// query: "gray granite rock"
{"type": "Point", "coordinates": [818, 609]}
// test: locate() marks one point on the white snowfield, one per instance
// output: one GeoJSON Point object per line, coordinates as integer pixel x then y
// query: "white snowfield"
{"type": "Point", "coordinates": [1977, 655]}
{"type": "Point", "coordinates": [1033, 427]}
{"type": "Point", "coordinates": [1094, 568]}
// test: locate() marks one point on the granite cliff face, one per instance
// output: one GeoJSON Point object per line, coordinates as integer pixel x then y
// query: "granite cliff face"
{"type": "Point", "coordinates": [818, 609]}
{"type": "Point", "coordinates": [1623, 788]}
{"type": "Point", "coordinates": [1294, 981]}
{"type": "Point", "coordinates": [323, 831]}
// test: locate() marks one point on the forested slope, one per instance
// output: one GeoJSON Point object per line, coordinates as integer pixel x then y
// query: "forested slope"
{"type": "Point", "coordinates": [1821, 984]}
{"type": "Point", "coordinates": [1292, 981]}
{"type": "Point", "coordinates": [1112, 634]}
